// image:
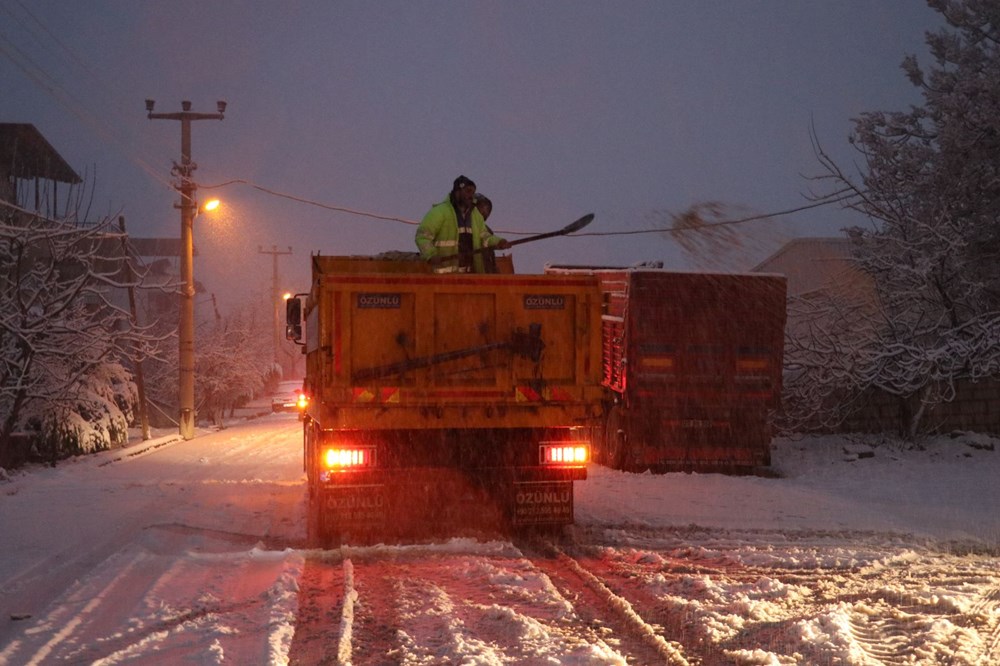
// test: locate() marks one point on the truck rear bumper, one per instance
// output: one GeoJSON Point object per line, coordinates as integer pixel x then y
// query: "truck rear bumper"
{"type": "Point", "coordinates": [418, 501]}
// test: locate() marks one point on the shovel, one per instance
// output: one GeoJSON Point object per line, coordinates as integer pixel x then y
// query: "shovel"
{"type": "Point", "coordinates": [568, 229]}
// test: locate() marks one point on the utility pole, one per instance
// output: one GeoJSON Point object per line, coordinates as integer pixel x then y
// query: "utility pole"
{"type": "Point", "coordinates": [188, 207]}
{"type": "Point", "coordinates": [275, 295]}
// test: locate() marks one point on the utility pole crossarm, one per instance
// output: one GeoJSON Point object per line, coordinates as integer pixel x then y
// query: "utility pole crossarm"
{"type": "Point", "coordinates": [186, 187]}
{"type": "Point", "coordinates": [185, 115]}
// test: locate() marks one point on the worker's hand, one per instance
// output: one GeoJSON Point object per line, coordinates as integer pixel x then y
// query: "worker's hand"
{"type": "Point", "coordinates": [504, 244]}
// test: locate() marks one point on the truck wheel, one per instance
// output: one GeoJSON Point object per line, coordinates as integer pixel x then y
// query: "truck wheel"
{"type": "Point", "coordinates": [598, 445]}
{"type": "Point", "coordinates": [616, 440]}
{"type": "Point", "coordinates": [318, 533]}
{"type": "Point", "coordinates": [765, 446]}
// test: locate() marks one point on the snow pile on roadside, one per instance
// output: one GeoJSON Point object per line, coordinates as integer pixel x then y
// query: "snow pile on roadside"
{"type": "Point", "coordinates": [944, 488]}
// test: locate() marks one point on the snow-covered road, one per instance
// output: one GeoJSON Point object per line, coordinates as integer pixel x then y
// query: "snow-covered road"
{"type": "Point", "coordinates": [194, 552]}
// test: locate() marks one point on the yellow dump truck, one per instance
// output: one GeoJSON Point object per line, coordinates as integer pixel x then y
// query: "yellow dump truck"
{"type": "Point", "coordinates": [438, 398]}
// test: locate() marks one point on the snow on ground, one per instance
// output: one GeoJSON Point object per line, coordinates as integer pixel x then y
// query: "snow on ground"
{"type": "Point", "coordinates": [946, 488]}
{"type": "Point", "coordinates": [855, 552]}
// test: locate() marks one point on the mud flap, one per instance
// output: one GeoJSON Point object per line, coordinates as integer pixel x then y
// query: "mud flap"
{"type": "Point", "coordinates": [543, 503]}
{"type": "Point", "coordinates": [354, 509]}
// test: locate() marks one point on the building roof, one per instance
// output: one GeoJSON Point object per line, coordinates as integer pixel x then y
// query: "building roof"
{"type": "Point", "coordinates": [837, 246]}
{"type": "Point", "coordinates": [811, 264]}
{"type": "Point", "coordinates": [25, 153]}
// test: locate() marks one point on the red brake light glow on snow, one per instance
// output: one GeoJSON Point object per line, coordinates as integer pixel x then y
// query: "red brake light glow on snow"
{"type": "Point", "coordinates": [348, 458]}
{"type": "Point", "coordinates": [565, 453]}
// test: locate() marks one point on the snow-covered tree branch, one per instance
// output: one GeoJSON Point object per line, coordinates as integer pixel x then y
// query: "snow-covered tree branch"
{"type": "Point", "coordinates": [233, 362]}
{"type": "Point", "coordinates": [64, 341]}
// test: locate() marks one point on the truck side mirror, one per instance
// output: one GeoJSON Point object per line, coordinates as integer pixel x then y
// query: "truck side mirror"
{"type": "Point", "coordinates": [293, 319]}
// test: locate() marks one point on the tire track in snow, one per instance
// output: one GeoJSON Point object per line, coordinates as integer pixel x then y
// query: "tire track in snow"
{"type": "Point", "coordinates": [630, 579]}
{"type": "Point", "coordinates": [905, 597]}
{"type": "Point", "coordinates": [321, 595]}
{"type": "Point", "coordinates": [344, 647]}
{"type": "Point", "coordinates": [138, 602]}
{"type": "Point", "coordinates": [640, 640]}
{"type": "Point", "coordinates": [987, 607]}
{"type": "Point", "coordinates": [751, 594]}
{"type": "Point", "coordinates": [83, 605]}
{"type": "Point", "coordinates": [460, 602]}
{"type": "Point", "coordinates": [884, 638]}
{"type": "Point", "coordinates": [414, 606]}
{"type": "Point", "coordinates": [375, 613]}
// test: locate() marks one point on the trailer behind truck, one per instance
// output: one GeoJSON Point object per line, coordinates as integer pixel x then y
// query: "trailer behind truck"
{"type": "Point", "coordinates": [692, 367]}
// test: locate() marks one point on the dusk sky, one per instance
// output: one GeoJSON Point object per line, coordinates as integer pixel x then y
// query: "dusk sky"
{"type": "Point", "coordinates": [628, 110]}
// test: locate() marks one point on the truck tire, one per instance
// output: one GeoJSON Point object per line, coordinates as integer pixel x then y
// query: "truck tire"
{"type": "Point", "coordinates": [598, 446]}
{"type": "Point", "coordinates": [318, 533]}
{"type": "Point", "coordinates": [616, 439]}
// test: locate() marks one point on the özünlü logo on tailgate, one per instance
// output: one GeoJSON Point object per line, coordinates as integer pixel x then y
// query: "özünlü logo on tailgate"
{"type": "Point", "coordinates": [388, 301]}
{"type": "Point", "coordinates": [544, 302]}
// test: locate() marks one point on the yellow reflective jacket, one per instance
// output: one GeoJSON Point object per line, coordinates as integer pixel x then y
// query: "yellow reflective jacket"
{"type": "Point", "coordinates": [437, 236]}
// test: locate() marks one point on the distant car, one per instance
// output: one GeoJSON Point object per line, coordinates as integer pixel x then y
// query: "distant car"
{"type": "Point", "coordinates": [287, 397]}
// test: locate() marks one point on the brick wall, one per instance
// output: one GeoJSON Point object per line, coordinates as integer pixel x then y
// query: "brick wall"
{"type": "Point", "coordinates": [976, 407]}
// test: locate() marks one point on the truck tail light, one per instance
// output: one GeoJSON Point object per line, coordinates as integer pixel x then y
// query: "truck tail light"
{"type": "Point", "coordinates": [302, 401]}
{"type": "Point", "coordinates": [564, 453]}
{"type": "Point", "coordinates": [656, 359]}
{"type": "Point", "coordinates": [751, 366]}
{"type": "Point", "coordinates": [752, 361]}
{"type": "Point", "coordinates": [656, 364]}
{"type": "Point", "coordinates": [348, 458]}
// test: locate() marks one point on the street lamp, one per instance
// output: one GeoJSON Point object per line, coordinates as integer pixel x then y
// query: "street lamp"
{"type": "Point", "coordinates": [188, 207]}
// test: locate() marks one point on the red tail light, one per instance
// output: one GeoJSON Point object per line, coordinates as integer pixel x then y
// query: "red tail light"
{"type": "Point", "coordinates": [564, 453]}
{"type": "Point", "coordinates": [348, 458]}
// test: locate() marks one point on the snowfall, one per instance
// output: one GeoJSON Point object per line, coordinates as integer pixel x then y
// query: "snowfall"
{"type": "Point", "coordinates": [852, 551]}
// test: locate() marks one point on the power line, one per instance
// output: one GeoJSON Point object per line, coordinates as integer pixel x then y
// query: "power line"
{"type": "Point", "coordinates": [310, 202]}
{"type": "Point", "coordinates": [50, 84]}
{"type": "Point", "coordinates": [836, 197]}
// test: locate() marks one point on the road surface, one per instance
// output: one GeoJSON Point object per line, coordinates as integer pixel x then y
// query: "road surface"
{"type": "Point", "coordinates": [195, 552]}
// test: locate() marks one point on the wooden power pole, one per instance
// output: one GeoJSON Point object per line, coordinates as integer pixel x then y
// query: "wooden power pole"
{"type": "Point", "coordinates": [275, 296]}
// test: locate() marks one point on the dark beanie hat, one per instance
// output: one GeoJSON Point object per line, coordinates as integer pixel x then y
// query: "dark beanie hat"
{"type": "Point", "coordinates": [462, 181]}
